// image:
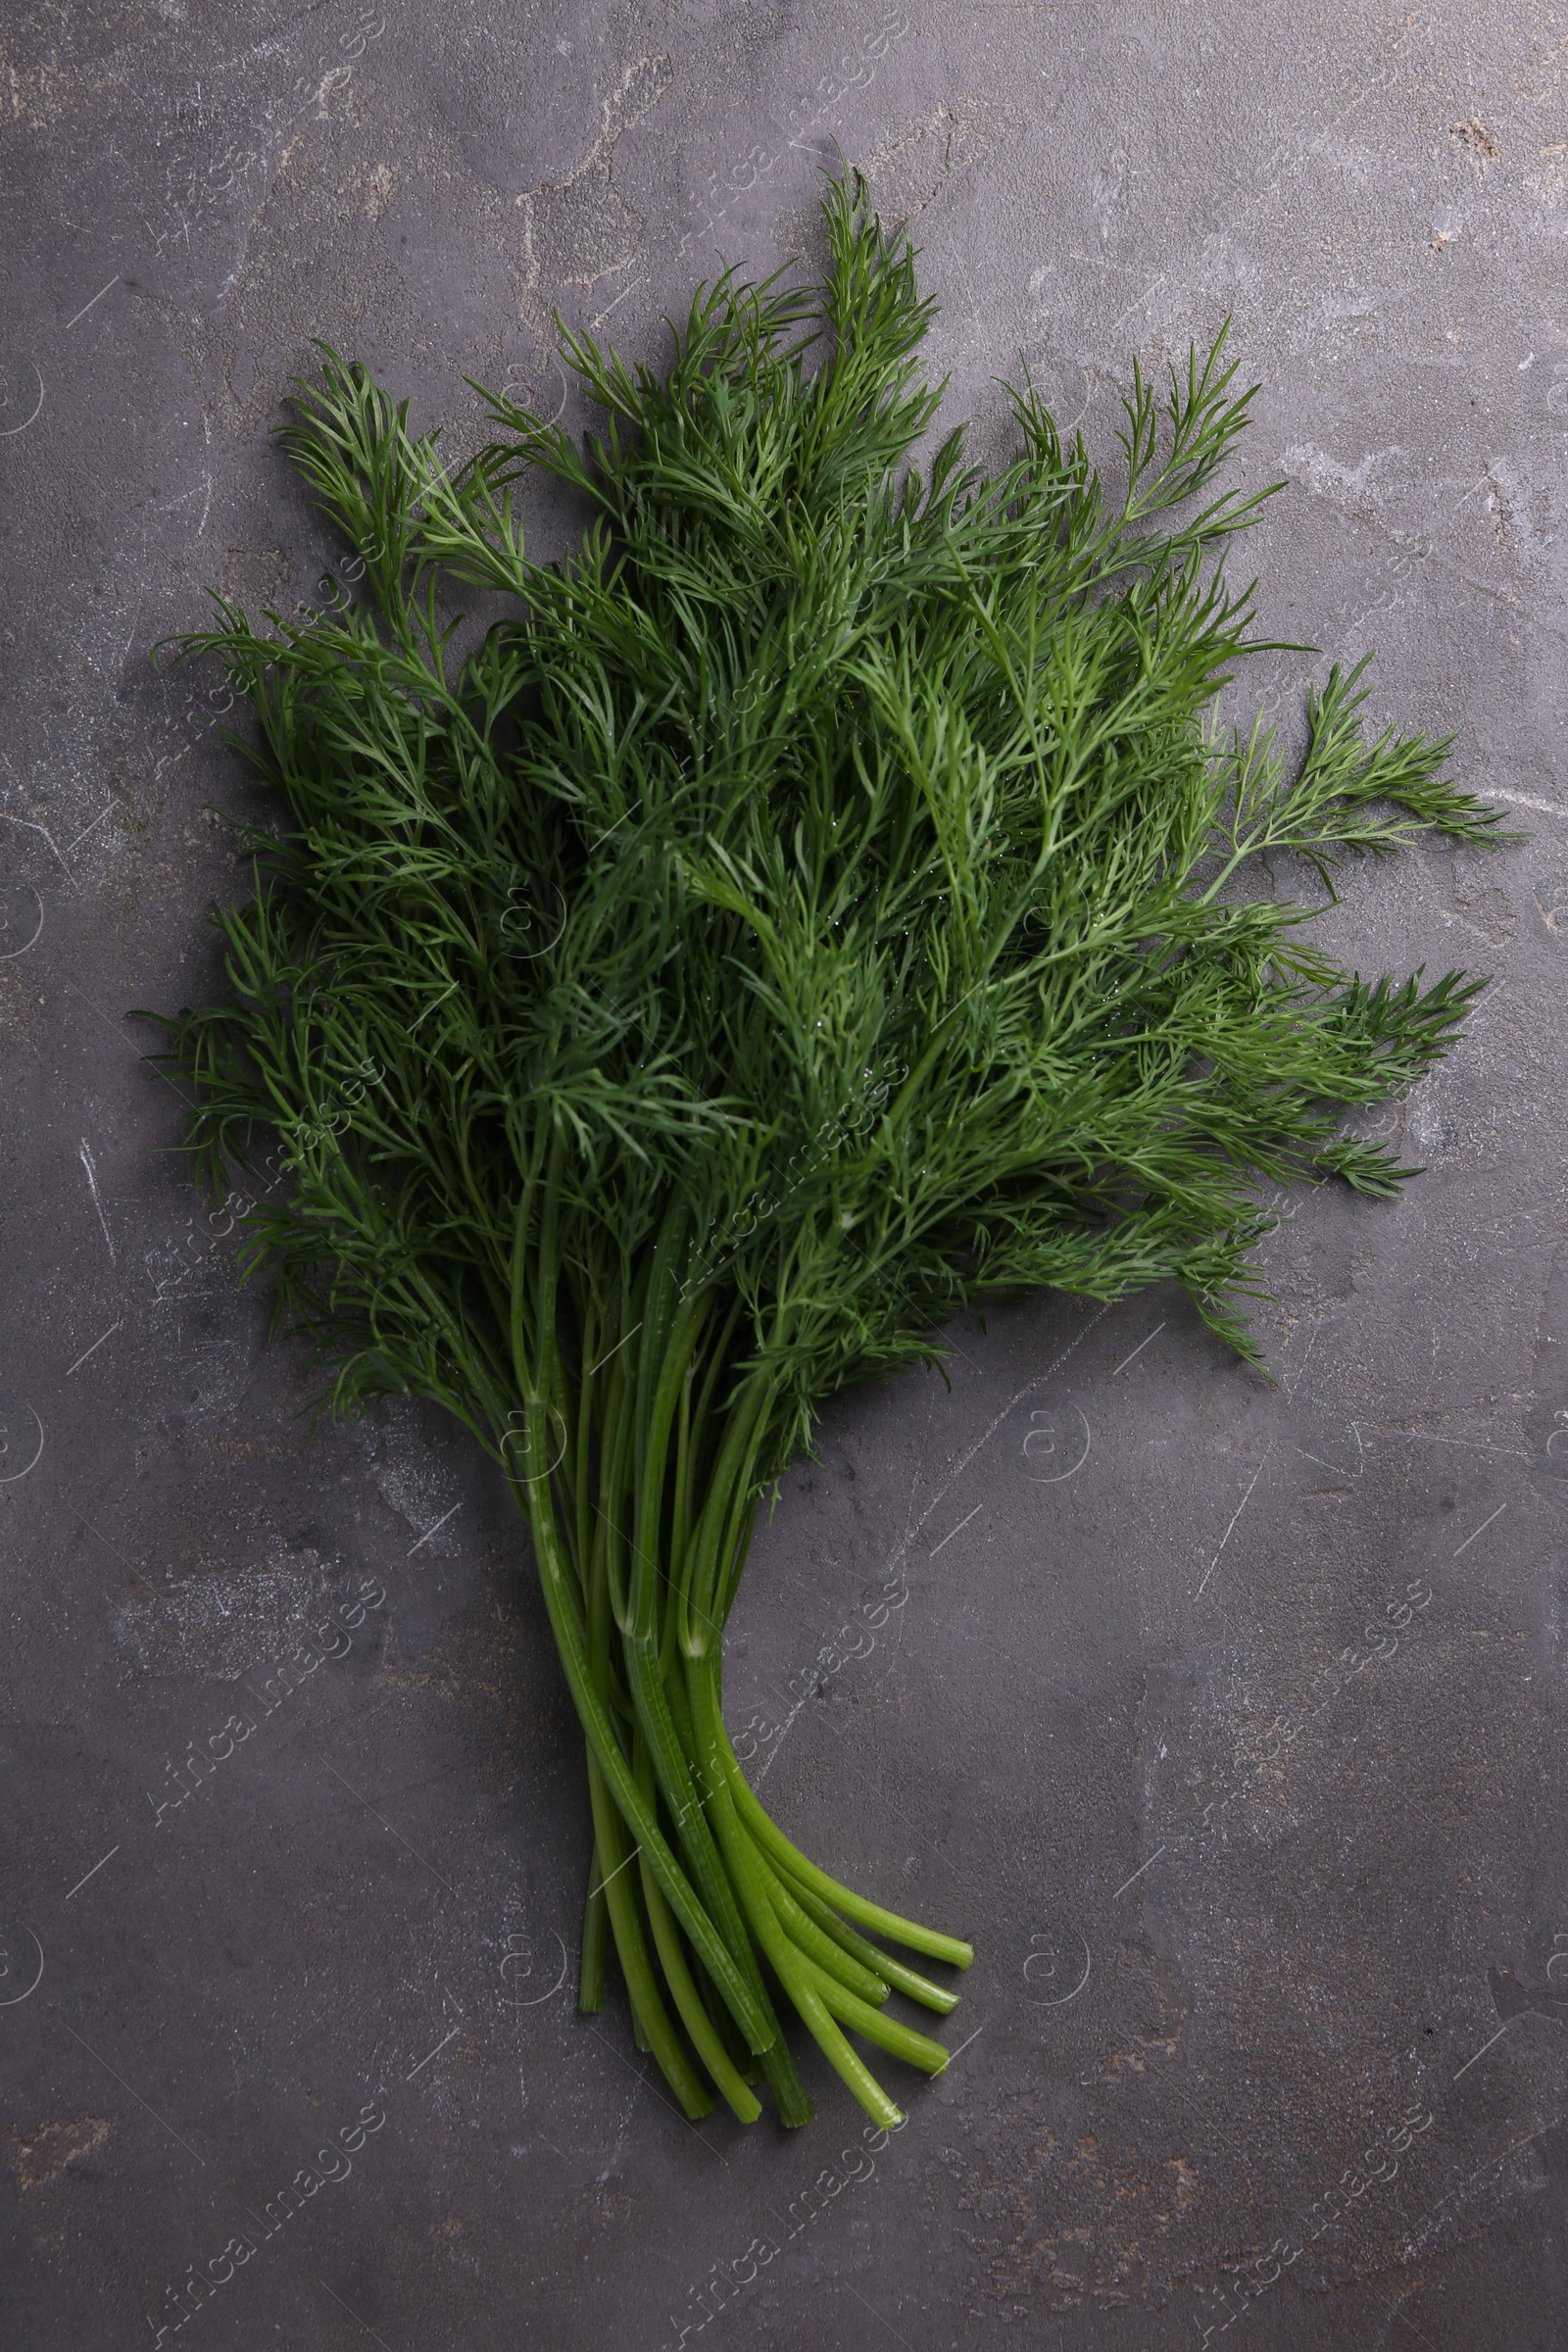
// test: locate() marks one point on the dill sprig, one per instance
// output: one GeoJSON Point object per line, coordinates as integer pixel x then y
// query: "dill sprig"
{"type": "Point", "coordinates": [810, 914]}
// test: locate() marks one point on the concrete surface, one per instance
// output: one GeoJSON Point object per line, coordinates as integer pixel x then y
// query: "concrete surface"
{"type": "Point", "coordinates": [1268, 2024]}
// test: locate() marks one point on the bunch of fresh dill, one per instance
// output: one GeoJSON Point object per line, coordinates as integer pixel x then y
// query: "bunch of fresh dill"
{"type": "Point", "coordinates": [808, 915]}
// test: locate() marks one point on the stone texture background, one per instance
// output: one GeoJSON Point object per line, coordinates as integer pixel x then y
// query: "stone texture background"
{"type": "Point", "coordinates": [1268, 2026]}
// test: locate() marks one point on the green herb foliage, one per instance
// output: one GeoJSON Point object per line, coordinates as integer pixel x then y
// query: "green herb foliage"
{"type": "Point", "coordinates": [812, 913]}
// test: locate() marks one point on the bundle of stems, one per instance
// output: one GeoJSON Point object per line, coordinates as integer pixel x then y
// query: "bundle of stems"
{"type": "Point", "coordinates": [814, 910]}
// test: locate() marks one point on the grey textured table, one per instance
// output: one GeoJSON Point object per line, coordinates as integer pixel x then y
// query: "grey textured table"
{"type": "Point", "coordinates": [1267, 2029]}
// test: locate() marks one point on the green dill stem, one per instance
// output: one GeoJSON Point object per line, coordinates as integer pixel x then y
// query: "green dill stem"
{"type": "Point", "coordinates": [796, 1974]}
{"type": "Point", "coordinates": [653, 1725]}
{"type": "Point", "coordinates": [631, 1949]}
{"type": "Point", "coordinates": [730, 1494]}
{"type": "Point", "coordinates": [655, 1449]}
{"type": "Point", "coordinates": [680, 1525]}
{"type": "Point", "coordinates": [679, 1977]}
{"type": "Point", "coordinates": [731, 1582]}
{"type": "Point", "coordinates": [775, 2065]}
{"type": "Point", "coordinates": [595, 1915]}
{"type": "Point", "coordinates": [793, 1863]}
{"type": "Point", "coordinates": [686, 1806]}
{"type": "Point", "coordinates": [907, 1981]}
{"type": "Point", "coordinates": [793, 1969]}
{"type": "Point", "coordinates": [517, 1288]}
{"type": "Point", "coordinates": [595, 1936]}
{"type": "Point", "coordinates": [587, 1399]}
{"type": "Point", "coordinates": [899, 2041]}
{"type": "Point", "coordinates": [553, 1578]}
{"type": "Point", "coordinates": [731, 2085]}
{"type": "Point", "coordinates": [746, 2063]}
{"type": "Point", "coordinates": [807, 1938]}
{"type": "Point", "coordinates": [615, 1444]}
